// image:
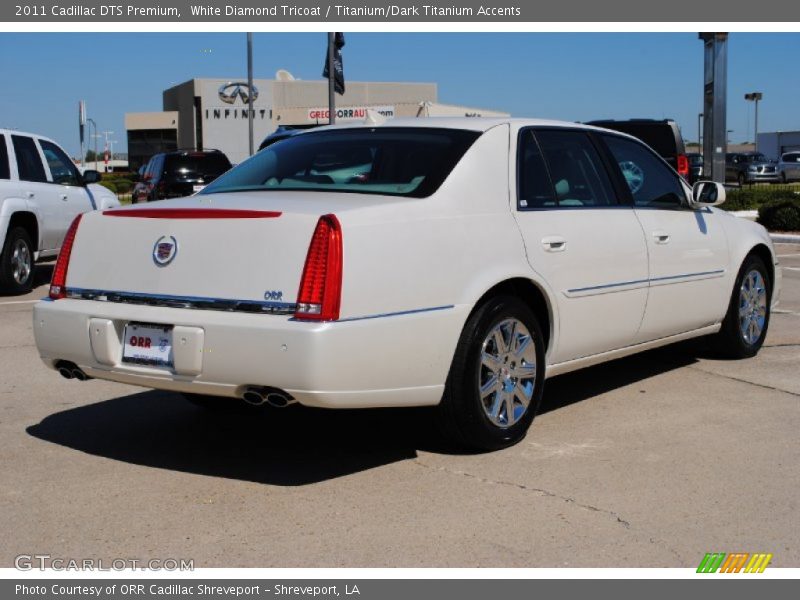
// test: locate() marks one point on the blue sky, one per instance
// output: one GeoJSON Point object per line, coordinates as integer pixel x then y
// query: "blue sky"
{"type": "Point", "coordinates": [570, 76]}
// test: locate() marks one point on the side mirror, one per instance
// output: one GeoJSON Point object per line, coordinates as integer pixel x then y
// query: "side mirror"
{"type": "Point", "coordinates": [91, 177]}
{"type": "Point", "coordinates": [707, 193]}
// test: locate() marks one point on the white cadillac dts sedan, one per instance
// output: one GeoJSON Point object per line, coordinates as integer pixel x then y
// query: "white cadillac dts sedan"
{"type": "Point", "coordinates": [449, 262]}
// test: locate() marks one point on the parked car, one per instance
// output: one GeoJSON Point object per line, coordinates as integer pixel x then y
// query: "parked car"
{"type": "Point", "coordinates": [789, 167]}
{"type": "Point", "coordinates": [179, 173]}
{"type": "Point", "coordinates": [695, 167]}
{"type": "Point", "coordinates": [41, 192]}
{"type": "Point", "coordinates": [283, 132]}
{"type": "Point", "coordinates": [465, 261]}
{"type": "Point", "coordinates": [750, 167]}
{"type": "Point", "coordinates": [664, 136]}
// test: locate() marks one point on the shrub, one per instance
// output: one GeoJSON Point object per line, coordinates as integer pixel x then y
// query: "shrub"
{"type": "Point", "coordinates": [781, 215]}
{"type": "Point", "coordinates": [123, 185]}
{"type": "Point", "coordinates": [109, 185]}
{"type": "Point", "coordinates": [753, 197]}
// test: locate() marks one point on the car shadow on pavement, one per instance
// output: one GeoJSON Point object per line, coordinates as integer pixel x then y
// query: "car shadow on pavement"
{"type": "Point", "coordinates": [582, 385]}
{"type": "Point", "coordinates": [296, 445]}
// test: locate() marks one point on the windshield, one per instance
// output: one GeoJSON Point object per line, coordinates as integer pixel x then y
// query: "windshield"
{"type": "Point", "coordinates": [208, 165]}
{"type": "Point", "coordinates": [755, 158]}
{"type": "Point", "coordinates": [394, 161]}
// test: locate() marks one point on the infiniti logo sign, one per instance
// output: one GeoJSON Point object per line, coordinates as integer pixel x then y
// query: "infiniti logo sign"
{"type": "Point", "coordinates": [228, 92]}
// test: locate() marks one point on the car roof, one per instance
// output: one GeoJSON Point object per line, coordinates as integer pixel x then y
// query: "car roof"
{"type": "Point", "coordinates": [29, 134]}
{"type": "Point", "coordinates": [481, 124]}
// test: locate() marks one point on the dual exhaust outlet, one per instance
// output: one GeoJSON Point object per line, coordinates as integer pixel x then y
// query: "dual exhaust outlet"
{"type": "Point", "coordinates": [253, 395]}
{"type": "Point", "coordinates": [259, 395]}
{"type": "Point", "coordinates": [69, 370]}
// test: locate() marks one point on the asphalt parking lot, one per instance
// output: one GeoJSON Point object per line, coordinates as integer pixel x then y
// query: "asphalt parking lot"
{"type": "Point", "coordinates": [649, 461]}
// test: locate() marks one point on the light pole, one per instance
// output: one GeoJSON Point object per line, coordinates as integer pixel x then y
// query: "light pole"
{"type": "Point", "coordinates": [700, 131]}
{"type": "Point", "coordinates": [755, 97]}
{"type": "Point", "coordinates": [106, 133]}
{"type": "Point", "coordinates": [95, 136]}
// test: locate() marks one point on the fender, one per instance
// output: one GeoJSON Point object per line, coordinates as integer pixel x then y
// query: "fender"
{"type": "Point", "coordinates": [14, 205]}
{"type": "Point", "coordinates": [743, 236]}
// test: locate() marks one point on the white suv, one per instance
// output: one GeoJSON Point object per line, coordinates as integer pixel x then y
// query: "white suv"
{"type": "Point", "coordinates": [41, 192]}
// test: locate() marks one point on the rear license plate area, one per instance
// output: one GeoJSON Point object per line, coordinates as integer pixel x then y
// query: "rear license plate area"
{"type": "Point", "coordinates": [148, 344]}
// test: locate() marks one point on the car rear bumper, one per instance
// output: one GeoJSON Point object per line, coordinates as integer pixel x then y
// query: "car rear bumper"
{"type": "Point", "coordinates": [400, 359]}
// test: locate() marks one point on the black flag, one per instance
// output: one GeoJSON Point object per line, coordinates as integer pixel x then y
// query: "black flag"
{"type": "Point", "coordinates": [338, 67]}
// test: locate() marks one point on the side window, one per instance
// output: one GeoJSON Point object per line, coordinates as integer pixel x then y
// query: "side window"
{"type": "Point", "coordinates": [61, 167]}
{"type": "Point", "coordinates": [5, 170]}
{"type": "Point", "coordinates": [535, 188]}
{"type": "Point", "coordinates": [652, 183]}
{"type": "Point", "coordinates": [29, 164]}
{"type": "Point", "coordinates": [576, 169]}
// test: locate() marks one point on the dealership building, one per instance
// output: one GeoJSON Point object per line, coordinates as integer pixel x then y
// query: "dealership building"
{"type": "Point", "coordinates": [213, 113]}
{"type": "Point", "coordinates": [775, 143]}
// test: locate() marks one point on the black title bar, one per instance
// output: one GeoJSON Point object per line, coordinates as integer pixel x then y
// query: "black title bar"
{"type": "Point", "coordinates": [177, 11]}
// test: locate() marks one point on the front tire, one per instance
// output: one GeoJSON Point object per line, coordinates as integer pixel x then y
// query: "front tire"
{"type": "Point", "coordinates": [16, 262]}
{"type": "Point", "coordinates": [745, 325]}
{"type": "Point", "coordinates": [496, 380]}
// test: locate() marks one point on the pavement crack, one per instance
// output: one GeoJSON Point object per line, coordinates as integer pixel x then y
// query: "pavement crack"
{"type": "Point", "coordinates": [521, 486]}
{"type": "Point", "coordinates": [753, 383]}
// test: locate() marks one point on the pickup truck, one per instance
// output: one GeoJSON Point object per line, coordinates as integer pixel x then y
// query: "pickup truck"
{"type": "Point", "coordinates": [41, 192]}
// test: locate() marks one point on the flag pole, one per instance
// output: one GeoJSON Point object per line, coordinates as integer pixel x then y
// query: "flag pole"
{"type": "Point", "coordinates": [250, 89]}
{"type": "Point", "coordinates": [331, 98]}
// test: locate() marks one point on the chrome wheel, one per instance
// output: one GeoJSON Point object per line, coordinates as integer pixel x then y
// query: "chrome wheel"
{"type": "Point", "coordinates": [752, 307]}
{"type": "Point", "coordinates": [21, 262]}
{"type": "Point", "coordinates": [507, 372]}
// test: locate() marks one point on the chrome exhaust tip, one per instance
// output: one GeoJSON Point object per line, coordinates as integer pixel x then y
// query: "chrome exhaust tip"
{"type": "Point", "coordinates": [254, 397]}
{"type": "Point", "coordinates": [278, 400]}
{"type": "Point", "coordinates": [274, 397]}
{"type": "Point", "coordinates": [69, 370]}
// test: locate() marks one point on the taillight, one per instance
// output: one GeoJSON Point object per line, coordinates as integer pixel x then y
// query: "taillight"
{"type": "Point", "coordinates": [683, 166]}
{"type": "Point", "coordinates": [320, 291]}
{"type": "Point", "coordinates": [58, 284]}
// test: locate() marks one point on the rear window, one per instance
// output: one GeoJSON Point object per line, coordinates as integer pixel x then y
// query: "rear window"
{"type": "Point", "coordinates": [29, 163]}
{"type": "Point", "coordinates": [409, 162]}
{"type": "Point", "coordinates": [696, 160]}
{"type": "Point", "coordinates": [5, 172]}
{"type": "Point", "coordinates": [196, 164]}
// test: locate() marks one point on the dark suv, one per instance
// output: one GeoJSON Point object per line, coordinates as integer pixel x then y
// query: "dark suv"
{"type": "Point", "coordinates": [179, 173]}
{"type": "Point", "coordinates": [663, 136]}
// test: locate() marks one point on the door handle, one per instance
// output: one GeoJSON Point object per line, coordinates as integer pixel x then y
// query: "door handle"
{"type": "Point", "coordinates": [554, 243]}
{"type": "Point", "coordinates": [661, 237]}
{"type": "Point", "coordinates": [30, 194]}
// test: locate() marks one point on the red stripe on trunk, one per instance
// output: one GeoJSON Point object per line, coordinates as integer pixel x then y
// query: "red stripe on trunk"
{"type": "Point", "coordinates": [192, 213]}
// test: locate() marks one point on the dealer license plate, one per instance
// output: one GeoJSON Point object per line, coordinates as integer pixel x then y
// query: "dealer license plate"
{"type": "Point", "coordinates": [148, 344]}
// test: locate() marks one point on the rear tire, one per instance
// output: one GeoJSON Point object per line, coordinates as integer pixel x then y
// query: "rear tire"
{"type": "Point", "coordinates": [16, 262]}
{"type": "Point", "coordinates": [745, 325]}
{"type": "Point", "coordinates": [496, 380]}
